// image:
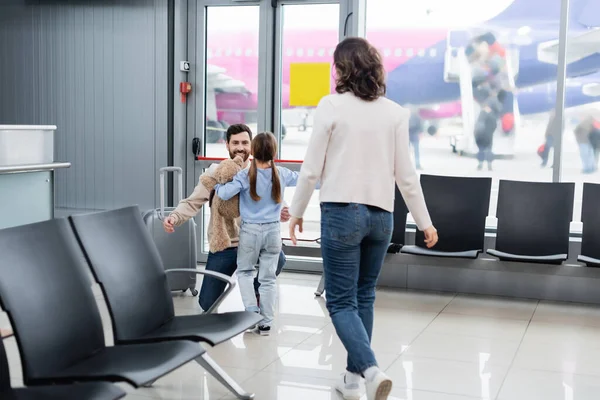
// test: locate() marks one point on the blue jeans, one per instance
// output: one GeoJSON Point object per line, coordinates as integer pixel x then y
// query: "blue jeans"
{"type": "Point", "coordinates": [262, 243]}
{"type": "Point", "coordinates": [485, 154]}
{"type": "Point", "coordinates": [354, 242]}
{"type": "Point", "coordinates": [588, 157]}
{"type": "Point", "coordinates": [224, 262]}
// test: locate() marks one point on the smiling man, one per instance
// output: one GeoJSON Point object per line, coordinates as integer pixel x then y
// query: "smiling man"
{"type": "Point", "coordinates": [238, 141]}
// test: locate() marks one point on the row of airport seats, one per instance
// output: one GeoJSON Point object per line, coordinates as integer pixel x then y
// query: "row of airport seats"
{"type": "Point", "coordinates": [46, 291]}
{"type": "Point", "coordinates": [533, 220]}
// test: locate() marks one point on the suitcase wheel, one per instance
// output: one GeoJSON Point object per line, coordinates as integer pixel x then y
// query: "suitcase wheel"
{"type": "Point", "coordinates": [194, 292]}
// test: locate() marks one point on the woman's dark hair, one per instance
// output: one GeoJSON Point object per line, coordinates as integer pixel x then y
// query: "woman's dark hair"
{"type": "Point", "coordinates": [264, 149]}
{"type": "Point", "coordinates": [359, 69]}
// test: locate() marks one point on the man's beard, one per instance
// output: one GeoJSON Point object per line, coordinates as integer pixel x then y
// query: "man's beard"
{"type": "Point", "coordinates": [243, 154]}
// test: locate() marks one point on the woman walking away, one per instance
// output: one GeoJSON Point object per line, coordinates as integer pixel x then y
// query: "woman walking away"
{"type": "Point", "coordinates": [261, 189]}
{"type": "Point", "coordinates": [364, 138]}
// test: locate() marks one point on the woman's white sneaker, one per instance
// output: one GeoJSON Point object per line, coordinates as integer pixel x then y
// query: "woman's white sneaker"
{"type": "Point", "coordinates": [379, 387]}
{"type": "Point", "coordinates": [349, 389]}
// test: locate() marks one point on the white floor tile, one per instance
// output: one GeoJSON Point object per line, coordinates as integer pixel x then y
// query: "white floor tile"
{"type": "Point", "coordinates": [477, 326]}
{"type": "Point", "coordinates": [412, 394]}
{"type": "Point", "coordinates": [319, 361]}
{"type": "Point", "coordinates": [273, 386]}
{"type": "Point", "coordinates": [495, 307]}
{"type": "Point", "coordinates": [191, 382]}
{"type": "Point", "coordinates": [248, 351]}
{"type": "Point", "coordinates": [451, 377]}
{"type": "Point", "coordinates": [14, 358]}
{"type": "Point", "coordinates": [529, 385]}
{"type": "Point", "coordinates": [412, 300]}
{"type": "Point", "coordinates": [543, 332]}
{"type": "Point", "coordinates": [137, 396]}
{"type": "Point", "coordinates": [568, 314]}
{"type": "Point", "coordinates": [4, 322]}
{"type": "Point", "coordinates": [463, 348]}
{"type": "Point", "coordinates": [568, 357]}
{"type": "Point", "coordinates": [384, 341]}
{"type": "Point", "coordinates": [390, 320]}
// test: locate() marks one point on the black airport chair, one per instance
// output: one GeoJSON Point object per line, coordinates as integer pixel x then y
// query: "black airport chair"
{"type": "Point", "coordinates": [458, 207]}
{"type": "Point", "coordinates": [533, 221]}
{"type": "Point", "coordinates": [590, 217]}
{"type": "Point", "coordinates": [400, 215]}
{"type": "Point", "coordinates": [46, 291]}
{"type": "Point", "coordinates": [88, 391]}
{"type": "Point", "coordinates": [126, 264]}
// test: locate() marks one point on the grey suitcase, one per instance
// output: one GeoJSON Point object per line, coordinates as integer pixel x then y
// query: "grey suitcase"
{"type": "Point", "coordinates": [177, 249]}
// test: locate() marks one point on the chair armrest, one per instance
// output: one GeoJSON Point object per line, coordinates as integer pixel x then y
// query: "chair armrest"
{"type": "Point", "coordinates": [217, 275]}
{"type": "Point", "coordinates": [227, 279]}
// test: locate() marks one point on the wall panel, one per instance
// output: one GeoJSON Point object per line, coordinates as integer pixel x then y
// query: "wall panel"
{"type": "Point", "coordinates": [97, 70]}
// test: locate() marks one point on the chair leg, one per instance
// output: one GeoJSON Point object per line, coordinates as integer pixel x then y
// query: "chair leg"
{"type": "Point", "coordinates": [321, 287]}
{"type": "Point", "coordinates": [218, 373]}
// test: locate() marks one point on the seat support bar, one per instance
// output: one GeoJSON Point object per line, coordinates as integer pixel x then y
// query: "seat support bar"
{"type": "Point", "coordinates": [219, 374]}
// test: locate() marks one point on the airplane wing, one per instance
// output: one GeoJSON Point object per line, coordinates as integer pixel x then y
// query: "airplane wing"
{"type": "Point", "coordinates": [591, 89]}
{"type": "Point", "coordinates": [219, 81]}
{"type": "Point", "coordinates": [580, 46]}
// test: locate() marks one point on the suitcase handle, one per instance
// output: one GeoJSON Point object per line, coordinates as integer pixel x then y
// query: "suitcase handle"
{"type": "Point", "coordinates": [179, 171]}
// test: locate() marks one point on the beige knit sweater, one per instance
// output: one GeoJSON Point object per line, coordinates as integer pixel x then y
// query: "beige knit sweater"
{"type": "Point", "coordinates": [189, 207]}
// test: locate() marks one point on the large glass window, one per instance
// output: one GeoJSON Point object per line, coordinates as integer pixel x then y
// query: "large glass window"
{"type": "Point", "coordinates": [310, 34]}
{"type": "Point", "coordinates": [471, 74]}
{"type": "Point", "coordinates": [231, 79]}
{"type": "Point", "coordinates": [231, 72]}
{"type": "Point", "coordinates": [581, 136]}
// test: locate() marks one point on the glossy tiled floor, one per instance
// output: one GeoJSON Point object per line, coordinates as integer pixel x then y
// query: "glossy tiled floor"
{"type": "Point", "coordinates": [434, 346]}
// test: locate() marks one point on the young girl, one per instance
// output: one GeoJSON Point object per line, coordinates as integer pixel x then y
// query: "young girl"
{"type": "Point", "coordinates": [261, 189]}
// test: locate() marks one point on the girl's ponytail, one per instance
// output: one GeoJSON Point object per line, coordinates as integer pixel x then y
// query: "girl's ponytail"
{"type": "Point", "coordinates": [264, 149]}
{"type": "Point", "coordinates": [276, 187]}
{"type": "Point", "coordinates": [252, 177]}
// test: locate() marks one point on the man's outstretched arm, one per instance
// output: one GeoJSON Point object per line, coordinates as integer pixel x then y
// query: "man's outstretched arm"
{"type": "Point", "coordinates": [189, 207]}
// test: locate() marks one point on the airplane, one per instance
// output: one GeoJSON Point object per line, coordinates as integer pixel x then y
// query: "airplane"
{"type": "Point", "coordinates": [582, 97]}
{"type": "Point", "coordinates": [423, 64]}
{"type": "Point", "coordinates": [533, 100]}
{"type": "Point", "coordinates": [530, 27]}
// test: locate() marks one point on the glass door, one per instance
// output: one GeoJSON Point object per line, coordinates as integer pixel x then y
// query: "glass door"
{"type": "Point", "coordinates": [308, 35]}
{"type": "Point", "coordinates": [247, 57]}
{"type": "Point", "coordinates": [227, 54]}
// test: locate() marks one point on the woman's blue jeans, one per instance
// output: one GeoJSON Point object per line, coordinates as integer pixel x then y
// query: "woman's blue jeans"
{"type": "Point", "coordinates": [354, 242]}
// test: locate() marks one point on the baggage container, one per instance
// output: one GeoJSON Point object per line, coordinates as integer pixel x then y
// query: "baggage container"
{"type": "Point", "coordinates": [177, 249]}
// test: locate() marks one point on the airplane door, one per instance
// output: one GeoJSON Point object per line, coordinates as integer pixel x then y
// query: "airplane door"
{"type": "Point", "coordinates": [486, 77]}
{"type": "Point", "coordinates": [469, 108]}
{"type": "Point", "coordinates": [455, 42]}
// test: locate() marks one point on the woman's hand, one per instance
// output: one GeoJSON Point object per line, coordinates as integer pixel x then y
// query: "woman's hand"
{"type": "Point", "coordinates": [295, 222]}
{"type": "Point", "coordinates": [285, 214]}
{"type": "Point", "coordinates": [431, 236]}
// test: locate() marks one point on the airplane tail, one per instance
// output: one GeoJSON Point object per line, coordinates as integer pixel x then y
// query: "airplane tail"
{"type": "Point", "coordinates": [537, 13]}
